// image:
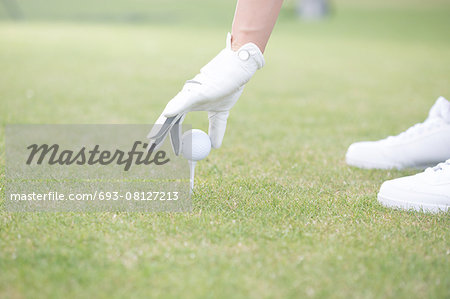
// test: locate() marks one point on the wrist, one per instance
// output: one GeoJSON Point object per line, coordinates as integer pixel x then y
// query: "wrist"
{"type": "Point", "coordinates": [241, 39]}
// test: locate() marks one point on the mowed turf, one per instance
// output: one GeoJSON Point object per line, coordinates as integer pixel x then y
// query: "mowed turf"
{"type": "Point", "coordinates": [277, 213]}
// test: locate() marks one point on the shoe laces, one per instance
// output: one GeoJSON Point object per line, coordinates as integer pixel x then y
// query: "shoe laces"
{"type": "Point", "coordinates": [440, 167]}
{"type": "Point", "coordinates": [418, 129]}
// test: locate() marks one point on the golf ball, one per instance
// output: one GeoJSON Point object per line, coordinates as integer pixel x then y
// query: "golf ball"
{"type": "Point", "coordinates": [196, 145]}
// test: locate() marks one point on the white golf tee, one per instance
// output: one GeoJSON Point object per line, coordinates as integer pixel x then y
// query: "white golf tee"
{"type": "Point", "coordinates": [192, 172]}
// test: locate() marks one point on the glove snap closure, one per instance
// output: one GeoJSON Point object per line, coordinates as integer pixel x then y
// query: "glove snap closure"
{"type": "Point", "coordinates": [244, 55]}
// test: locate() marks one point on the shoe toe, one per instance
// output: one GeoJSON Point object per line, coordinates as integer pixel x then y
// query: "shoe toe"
{"type": "Point", "coordinates": [367, 154]}
{"type": "Point", "coordinates": [412, 192]}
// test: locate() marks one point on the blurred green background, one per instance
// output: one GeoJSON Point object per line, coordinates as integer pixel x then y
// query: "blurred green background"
{"type": "Point", "coordinates": [277, 213]}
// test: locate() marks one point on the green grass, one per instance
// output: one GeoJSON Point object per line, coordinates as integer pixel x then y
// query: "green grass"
{"type": "Point", "coordinates": [277, 213]}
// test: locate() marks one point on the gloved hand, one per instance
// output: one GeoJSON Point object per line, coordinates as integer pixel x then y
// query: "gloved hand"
{"type": "Point", "coordinates": [215, 89]}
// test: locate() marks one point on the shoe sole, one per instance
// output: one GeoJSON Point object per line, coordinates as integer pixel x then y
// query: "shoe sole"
{"type": "Point", "coordinates": [371, 165]}
{"type": "Point", "coordinates": [407, 205]}
{"type": "Point", "coordinates": [367, 165]}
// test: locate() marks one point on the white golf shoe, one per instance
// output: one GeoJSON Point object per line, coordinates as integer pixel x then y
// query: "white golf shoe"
{"type": "Point", "coordinates": [423, 145]}
{"type": "Point", "coordinates": [427, 191]}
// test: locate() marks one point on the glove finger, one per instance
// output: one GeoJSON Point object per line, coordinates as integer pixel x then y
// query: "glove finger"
{"type": "Point", "coordinates": [161, 126]}
{"type": "Point", "coordinates": [217, 127]}
{"type": "Point", "coordinates": [160, 130]}
{"type": "Point", "coordinates": [176, 134]}
{"type": "Point", "coordinates": [184, 100]}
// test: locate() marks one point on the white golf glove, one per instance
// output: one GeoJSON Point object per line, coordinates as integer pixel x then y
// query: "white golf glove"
{"type": "Point", "coordinates": [215, 89]}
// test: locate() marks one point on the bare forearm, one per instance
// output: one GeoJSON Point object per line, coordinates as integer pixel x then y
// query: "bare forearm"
{"type": "Point", "coordinates": [254, 21]}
